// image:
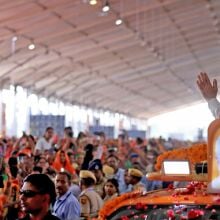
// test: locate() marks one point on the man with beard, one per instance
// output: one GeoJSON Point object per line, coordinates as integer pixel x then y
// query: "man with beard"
{"type": "Point", "coordinates": [66, 206]}
{"type": "Point", "coordinates": [36, 196]}
{"type": "Point", "coordinates": [113, 161]}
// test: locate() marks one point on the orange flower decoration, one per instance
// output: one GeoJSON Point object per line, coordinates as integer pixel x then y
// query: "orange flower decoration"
{"type": "Point", "coordinates": [196, 153]}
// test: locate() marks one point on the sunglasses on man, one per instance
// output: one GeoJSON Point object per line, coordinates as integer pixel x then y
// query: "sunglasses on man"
{"type": "Point", "coordinates": [29, 193]}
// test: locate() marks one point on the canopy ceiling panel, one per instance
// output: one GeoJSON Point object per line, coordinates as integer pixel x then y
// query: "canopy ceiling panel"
{"type": "Point", "coordinates": [143, 67]}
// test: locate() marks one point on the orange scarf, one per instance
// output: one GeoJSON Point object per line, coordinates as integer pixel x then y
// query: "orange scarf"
{"type": "Point", "coordinates": [67, 166]}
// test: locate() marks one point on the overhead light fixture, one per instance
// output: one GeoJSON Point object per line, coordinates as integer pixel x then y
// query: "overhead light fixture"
{"type": "Point", "coordinates": [31, 46]}
{"type": "Point", "coordinates": [15, 38]}
{"type": "Point", "coordinates": [13, 44]}
{"type": "Point", "coordinates": [93, 2]}
{"type": "Point", "coordinates": [106, 7]}
{"type": "Point", "coordinates": [143, 43]}
{"type": "Point", "coordinates": [118, 21]}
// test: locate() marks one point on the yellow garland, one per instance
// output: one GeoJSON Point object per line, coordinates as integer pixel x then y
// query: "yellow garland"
{"type": "Point", "coordinates": [196, 153]}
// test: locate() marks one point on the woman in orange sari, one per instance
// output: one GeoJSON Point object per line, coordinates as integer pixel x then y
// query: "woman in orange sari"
{"type": "Point", "coordinates": [62, 163]}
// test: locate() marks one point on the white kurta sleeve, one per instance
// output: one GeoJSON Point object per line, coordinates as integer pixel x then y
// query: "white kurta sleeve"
{"type": "Point", "coordinates": [214, 106]}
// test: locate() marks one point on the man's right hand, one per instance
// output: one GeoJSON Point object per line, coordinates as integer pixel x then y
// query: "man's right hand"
{"type": "Point", "coordinates": [207, 89]}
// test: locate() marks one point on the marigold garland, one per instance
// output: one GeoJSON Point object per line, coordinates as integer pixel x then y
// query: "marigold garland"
{"type": "Point", "coordinates": [193, 190]}
{"type": "Point", "coordinates": [104, 212]}
{"type": "Point", "coordinates": [196, 153]}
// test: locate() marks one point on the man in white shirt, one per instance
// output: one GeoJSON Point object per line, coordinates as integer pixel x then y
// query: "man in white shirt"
{"type": "Point", "coordinates": [215, 183]}
{"type": "Point", "coordinates": [209, 91]}
{"type": "Point", "coordinates": [44, 143]}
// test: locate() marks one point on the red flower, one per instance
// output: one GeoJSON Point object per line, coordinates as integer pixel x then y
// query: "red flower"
{"type": "Point", "coordinates": [139, 206]}
{"type": "Point", "coordinates": [174, 195]}
{"type": "Point", "coordinates": [208, 206]}
{"type": "Point", "coordinates": [145, 207]}
{"type": "Point", "coordinates": [170, 186]}
{"type": "Point", "coordinates": [194, 213]}
{"type": "Point", "coordinates": [204, 193]}
{"type": "Point", "coordinates": [217, 200]}
{"type": "Point", "coordinates": [178, 211]}
{"type": "Point", "coordinates": [144, 216]}
{"type": "Point", "coordinates": [190, 188]}
{"type": "Point", "coordinates": [124, 217]}
{"type": "Point", "coordinates": [183, 209]}
{"type": "Point", "coordinates": [170, 213]}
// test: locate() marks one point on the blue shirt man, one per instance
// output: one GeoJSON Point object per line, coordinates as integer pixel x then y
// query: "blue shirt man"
{"type": "Point", "coordinates": [119, 176]}
{"type": "Point", "coordinates": [113, 162]}
{"type": "Point", "coordinates": [66, 206]}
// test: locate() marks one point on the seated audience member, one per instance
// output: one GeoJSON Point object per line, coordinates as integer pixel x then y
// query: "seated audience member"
{"type": "Point", "coordinates": [135, 176]}
{"type": "Point", "coordinates": [36, 196]}
{"type": "Point", "coordinates": [90, 200]}
{"type": "Point", "coordinates": [111, 190]}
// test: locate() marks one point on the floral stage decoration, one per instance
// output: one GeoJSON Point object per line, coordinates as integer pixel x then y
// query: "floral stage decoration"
{"type": "Point", "coordinates": [178, 206]}
{"type": "Point", "coordinates": [196, 153]}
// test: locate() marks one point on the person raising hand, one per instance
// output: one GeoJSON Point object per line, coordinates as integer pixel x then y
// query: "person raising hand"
{"type": "Point", "coordinates": [209, 92]}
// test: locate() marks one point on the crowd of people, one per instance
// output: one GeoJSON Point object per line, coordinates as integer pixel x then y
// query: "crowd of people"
{"type": "Point", "coordinates": [71, 178]}
{"type": "Point", "coordinates": [86, 172]}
